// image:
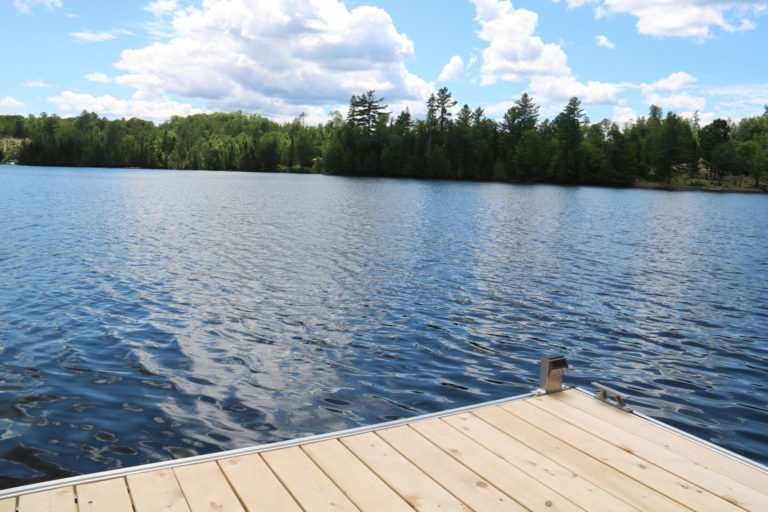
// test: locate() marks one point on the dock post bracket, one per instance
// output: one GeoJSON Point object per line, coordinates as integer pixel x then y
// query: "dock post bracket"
{"type": "Point", "coordinates": [616, 399]}
{"type": "Point", "coordinates": [551, 374]}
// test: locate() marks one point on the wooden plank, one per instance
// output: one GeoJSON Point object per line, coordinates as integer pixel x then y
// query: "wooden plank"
{"type": "Point", "coordinates": [463, 483]}
{"type": "Point", "coordinates": [305, 481]}
{"type": "Point", "coordinates": [256, 486]}
{"type": "Point", "coordinates": [355, 479]}
{"type": "Point", "coordinates": [416, 488]}
{"type": "Point", "coordinates": [679, 489]}
{"type": "Point", "coordinates": [584, 465]}
{"type": "Point", "coordinates": [703, 455]}
{"type": "Point", "coordinates": [206, 489]}
{"type": "Point", "coordinates": [56, 500]}
{"type": "Point", "coordinates": [8, 505]}
{"type": "Point", "coordinates": [716, 483]}
{"type": "Point", "coordinates": [104, 496]}
{"type": "Point", "coordinates": [156, 491]}
{"type": "Point", "coordinates": [577, 489]}
{"type": "Point", "coordinates": [521, 487]}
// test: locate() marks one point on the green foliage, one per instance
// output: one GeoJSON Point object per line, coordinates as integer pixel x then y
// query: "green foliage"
{"type": "Point", "coordinates": [447, 143]}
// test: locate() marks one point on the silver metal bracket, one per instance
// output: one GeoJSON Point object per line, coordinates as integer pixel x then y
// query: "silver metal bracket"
{"type": "Point", "coordinates": [619, 398]}
{"type": "Point", "coordinates": [551, 374]}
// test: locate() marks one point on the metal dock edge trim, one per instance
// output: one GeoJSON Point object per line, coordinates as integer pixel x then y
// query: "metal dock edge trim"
{"type": "Point", "coordinates": [690, 437]}
{"type": "Point", "coordinates": [175, 463]}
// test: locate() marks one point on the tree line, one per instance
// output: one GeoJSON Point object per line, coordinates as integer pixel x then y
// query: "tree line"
{"type": "Point", "coordinates": [449, 143]}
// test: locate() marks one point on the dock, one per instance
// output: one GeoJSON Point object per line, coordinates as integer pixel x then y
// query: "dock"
{"type": "Point", "coordinates": [557, 451]}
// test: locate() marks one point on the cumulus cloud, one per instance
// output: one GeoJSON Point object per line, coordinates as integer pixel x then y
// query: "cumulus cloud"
{"type": "Point", "coordinates": [623, 115]}
{"type": "Point", "coordinates": [604, 42]}
{"type": "Point", "coordinates": [37, 84]}
{"type": "Point", "coordinates": [674, 81]}
{"type": "Point", "coordinates": [141, 104]}
{"type": "Point", "coordinates": [92, 36]}
{"type": "Point", "coordinates": [10, 102]}
{"type": "Point", "coordinates": [162, 7]}
{"type": "Point", "coordinates": [676, 101]}
{"type": "Point", "coordinates": [26, 6]}
{"type": "Point", "coordinates": [561, 89]}
{"type": "Point", "coordinates": [681, 18]}
{"type": "Point", "coordinates": [668, 93]}
{"type": "Point", "coordinates": [452, 69]}
{"type": "Point", "coordinates": [98, 78]}
{"type": "Point", "coordinates": [515, 53]}
{"type": "Point", "coordinates": [276, 57]}
{"type": "Point", "coordinates": [738, 101]}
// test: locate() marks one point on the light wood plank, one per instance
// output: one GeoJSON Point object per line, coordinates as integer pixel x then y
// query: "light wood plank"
{"type": "Point", "coordinates": [677, 488]}
{"type": "Point", "coordinates": [521, 487]}
{"type": "Point", "coordinates": [258, 488]}
{"type": "Point", "coordinates": [578, 490]}
{"type": "Point", "coordinates": [206, 489]}
{"type": "Point", "coordinates": [584, 465]}
{"type": "Point", "coordinates": [355, 479]}
{"type": "Point", "coordinates": [466, 485]}
{"type": "Point", "coordinates": [305, 481]}
{"type": "Point", "coordinates": [156, 491]}
{"type": "Point", "coordinates": [104, 496]}
{"type": "Point", "coordinates": [416, 488]}
{"type": "Point", "coordinates": [56, 500]}
{"type": "Point", "coordinates": [8, 505]}
{"type": "Point", "coordinates": [678, 444]}
{"type": "Point", "coordinates": [716, 483]}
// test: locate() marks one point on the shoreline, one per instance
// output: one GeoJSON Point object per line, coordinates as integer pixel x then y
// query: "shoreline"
{"type": "Point", "coordinates": [643, 185]}
{"type": "Point", "coordinates": [674, 187]}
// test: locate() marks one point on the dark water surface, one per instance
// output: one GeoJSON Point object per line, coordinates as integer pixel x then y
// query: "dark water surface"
{"type": "Point", "coordinates": [147, 315]}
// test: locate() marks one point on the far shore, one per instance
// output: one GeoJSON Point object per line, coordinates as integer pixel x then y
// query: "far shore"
{"type": "Point", "coordinates": [698, 188]}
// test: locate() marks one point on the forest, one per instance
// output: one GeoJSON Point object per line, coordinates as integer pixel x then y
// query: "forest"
{"type": "Point", "coordinates": [449, 143]}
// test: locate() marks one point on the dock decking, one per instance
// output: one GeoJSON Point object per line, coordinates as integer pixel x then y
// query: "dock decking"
{"type": "Point", "coordinates": [562, 451]}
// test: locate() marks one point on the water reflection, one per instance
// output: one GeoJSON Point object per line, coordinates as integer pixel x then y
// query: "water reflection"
{"type": "Point", "coordinates": [149, 315]}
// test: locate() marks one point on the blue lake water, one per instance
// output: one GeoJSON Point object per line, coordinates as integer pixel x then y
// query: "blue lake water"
{"type": "Point", "coordinates": [147, 315]}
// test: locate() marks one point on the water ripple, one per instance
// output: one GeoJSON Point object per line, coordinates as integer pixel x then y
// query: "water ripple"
{"type": "Point", "coordinates": [149, 315]}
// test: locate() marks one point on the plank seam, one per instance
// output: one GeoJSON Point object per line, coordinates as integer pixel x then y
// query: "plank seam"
{"type": "Point", "coordinates": [565, 413]}
{"type": "Point", "coordinates": [473, 471]}
{"type": "Point", "coordinates": [282, 482]}
{"type": "Point", "coordinates": [676, 500]}
{"type": "Point", "coordinates": [523, 469]}
{"type": "Point", "coordinates": [427, 474]}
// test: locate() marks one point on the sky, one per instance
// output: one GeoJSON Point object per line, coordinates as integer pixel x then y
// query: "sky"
{"type": "Point", "coordinates": [153, 59]}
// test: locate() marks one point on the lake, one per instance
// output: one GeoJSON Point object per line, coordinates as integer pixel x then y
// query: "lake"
{"type": "Point", "coordinates": [147, 315]}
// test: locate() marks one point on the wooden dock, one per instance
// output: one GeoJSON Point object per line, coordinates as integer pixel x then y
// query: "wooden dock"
{"type": "Point", "coordinates": [561, 451]}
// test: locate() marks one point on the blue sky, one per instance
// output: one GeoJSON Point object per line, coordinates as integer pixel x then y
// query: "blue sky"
{"type": "Point", "coordinates": [278, 58]}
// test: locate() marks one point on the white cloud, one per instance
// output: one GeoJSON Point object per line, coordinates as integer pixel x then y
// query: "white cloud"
{"type": "Point", "coordinates": [37, 83]}
{"type": "Point", "coordinates": [26, 6]}
{"type": "Point", "coordinates": [704, 117]}
{"type": "Point", "coordinates": [276, 57]}
{"type": "Point", "coordinates": [623, 115]}
{"type": "Point", "coordinates": [10, 102]}
{"type": "Point", "coordinates": [515, 53]}
{"type": "Point", "coordinates": [678, 99]}
{"type": "Point", "coordinates": [141, 104]}
{"type": "Point", "coordinates": [452, 69]}
{"type": "Point", "coordinates": [92, 36]}
{"type": "Point", "coordinates": [738, 101]}
{"type": "Point", "coordinates": [561, 89]}
{"type": "Point", "coordinates": [98, 77]}
{"type": "Point", "coordinates": [681, 18]}
{"type": "Point", "coordinates": [604, 42]}
{"type": "Point", "coordinates": [674, 81]}
{"type": "Point", "coordinates": [162, 7]}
